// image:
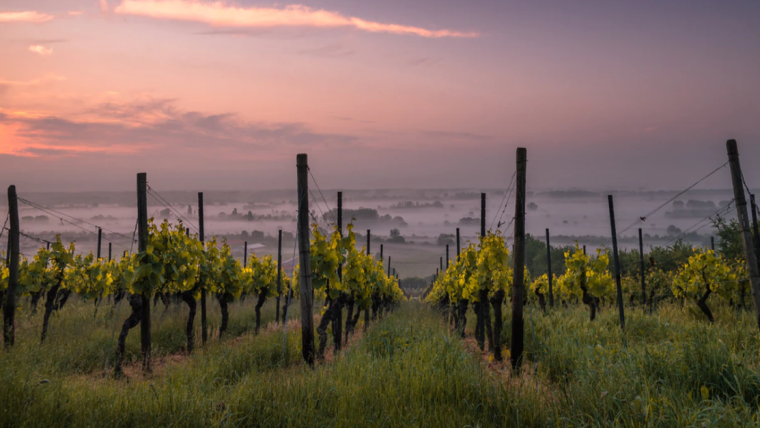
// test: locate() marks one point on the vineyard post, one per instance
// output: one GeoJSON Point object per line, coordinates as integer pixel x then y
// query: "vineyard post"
{"type": "Point", "coordinates": [367, 309]}
{"type": "Point", "coordinates": [100, 241]}
{"type": "Point", "coordinates": [389, 266]}
{"type": "Point", "coordinates": [712, 243]}
{"type": "Point", "coordinates": [755, 229]}
{"type": "Point", "coordinates": [549, 268]}
{"type": "Point", "coordinates": [394, 270]}
{"type": "Point", "coordinates": [48, 246]}
{"type": "Point", "coordinates": [617, 263]}
{"type": "Point", "coordinates": [737, 180]}
{"type": "Point", "coordinates": [337, 322]}
{"type": "Point", "coordinates": [279, 276]}
{"type": "Point", "coordinates": [9, 308]}
{"type": "Point", "coordinates": [307, 294]}
{"type": "Point", "coordinates": [518, 281]}
{"type": "Point", "coordinates": [447, 256]}
{"type": "Point", "coordinates": [643, 278]}
{"type": "Point", "coordinates": [204, 328]}
{"type": "Point", "coordinates": [381, 254]}
{"type": "Point", "coordinates": [458, 245]}
{"type": "Point", "coordinates": [110, 247]}
{"type": "Point", "coordinates": [142, 245]}
{"type": "Point", "coordinates": [245, 254]}
{"type": "Point", "coordinates": [480, 305]}
{"type": "Point", "coordinates": [584, 250]}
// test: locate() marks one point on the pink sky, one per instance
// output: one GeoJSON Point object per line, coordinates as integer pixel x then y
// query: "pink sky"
{"type": "Point", "coordinates": [423, 93]}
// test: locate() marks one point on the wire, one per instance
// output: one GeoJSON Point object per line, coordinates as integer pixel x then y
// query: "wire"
{"type": "Point", "coordinates": [7, 216]}
{"type": "Point", "coordinates": [688, 231]}
{"type": "Point", "coordinates": [46, 210]}
{"type": "Point", "coordinates": [664, 204]}
{"type": "Point", "coordinates": [323, 196]}
{"type": "Point", "coordinates": [507, 196]}
{"type": "Point", "coordinates": [34, 238]}
{"type": "Point", "coordinates": [166, 204]}
{"type": "Point", "coordinates": [49, 210]}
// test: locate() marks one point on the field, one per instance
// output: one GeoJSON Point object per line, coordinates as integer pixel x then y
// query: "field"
{"type": "Point", "coordinates": [671, 368]}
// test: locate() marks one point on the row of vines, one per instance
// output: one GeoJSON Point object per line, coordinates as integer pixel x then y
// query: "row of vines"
{"type": "Point", "coordinates": [177, 266]}
{"type": "Point", "coordinates": [482, 276]}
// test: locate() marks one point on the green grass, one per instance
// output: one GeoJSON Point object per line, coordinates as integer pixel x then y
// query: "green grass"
{"type": "Point", "coordinates": [406, 370]}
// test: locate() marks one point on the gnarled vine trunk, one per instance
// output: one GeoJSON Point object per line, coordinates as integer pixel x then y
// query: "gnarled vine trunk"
{"type": "Point", "coordinates": [486, 308]}
{"type": "Point", "coordinates": [259, 304]}
{"type": "Point", "coordinates": [337, 323]}
{"type": "Point", "coordinates": [702, 303]}
{"type": "Point", "coordinates": [479, 330]}
{"type": "Point", "coordinates": [187, 297]}
{"type": "Point", "coordinates": [462, 319]}
{"type": "Point", "coordinates": [136, 302]}
{"type": "Point", "coordinates": [223, 298]}
{"type": "Point", "coordinates": [349, 315]}
{"type": "Point", "coordinates": [541, 301]}
{"type": "Point", "coordinates": [496, 301]}
{"type": "Point", "coordinates": [322, 328]}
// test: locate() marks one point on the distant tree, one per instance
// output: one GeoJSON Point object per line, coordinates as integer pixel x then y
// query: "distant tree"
{"type": "Point", "coordinates": [672, 230]}
{"type": "Point", "coordinates": [396, 236]}
{"type": "Point", "coordinates": [729, 243]}
{"type": "Point", "coordinates": [445, 239]}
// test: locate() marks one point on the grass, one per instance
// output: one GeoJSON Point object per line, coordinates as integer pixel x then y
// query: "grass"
{"type": "Point", "coordinates": [669, 369]}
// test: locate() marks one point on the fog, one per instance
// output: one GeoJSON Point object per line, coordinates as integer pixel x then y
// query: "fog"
{"type": "Point", "coordinates": [420, 216]}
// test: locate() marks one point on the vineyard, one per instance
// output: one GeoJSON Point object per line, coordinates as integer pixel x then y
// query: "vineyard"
{"type": "Point", "coordinates": [510, 331]}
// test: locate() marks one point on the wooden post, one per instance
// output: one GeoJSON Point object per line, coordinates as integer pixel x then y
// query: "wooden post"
{"type": "Point", "coordinates": [337, 321]}
{"type": "Point", "coordinates": [279, 276]}
{"type": "Point", "coordinates": [447, 256]}
{"type": "Point", "coordinates": [549, 268]}
{"type": "Point", "coordinates": [712, 243]}
{"type": "Point", "coordinates": [48, 246]}
{"type": "Point", "coordinates": [643, 276]}
{"type": "Point", "coordinates": [755, 229]}
{"type": "Point", "coordinates": [366, 310]}
{"type": "Point", "coordinates": [741, 211]}
{"type": "Point", "coordinates": [458, 245]}
{"type": "Point", "coordinates": [389, 266]}
{"type": "Point", "coordinates": [382, 259]}
{"type": "Point", "coordinates": [518, 281]}
{"type": "Point", "coordinates": [204, 326]}
{"type": "Point", "coordinates": [142, 245]}
{"type": "Point", "coordinates": [584, 250]}
{"type": "Point", "coordinates": [110, 248]}
{"type": "Point", "coordinates": [9, 305]}
{"type": "Point", "coordinates": [441, 265]}
{"type": "Point", "coordinates": [617, 263]}
{"type": "Point", "coordinates": [100, 241]}
{"type": "Point", "coordinates": [307, 294]}
{"type": "Point", "coordinates": [245, 252]}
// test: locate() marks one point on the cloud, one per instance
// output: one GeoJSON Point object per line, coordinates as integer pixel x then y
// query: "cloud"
{"type": "Point", "coordinates": [220, 14]}
{"type": "Point", "coordinates": [103, 6]}
{"type": "Point", "coordinates": [25, 16]}
{"type": "Point", "coordinates": [75, 12]}
{"type": "Point", "coordinates": [156, 127]}
{"type": "Point", "coordinates": [41, 50]}
{"type": "Point", "coordinates": [328, 51]}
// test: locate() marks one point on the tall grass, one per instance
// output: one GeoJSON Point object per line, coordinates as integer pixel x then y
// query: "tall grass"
{"type": "Point", "coordinates": [408, 369]}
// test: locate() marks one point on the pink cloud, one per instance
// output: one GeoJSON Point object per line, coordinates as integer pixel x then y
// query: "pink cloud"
{"type": "Point", "coordinates": [220, 14]}
{"type": "Point", "coordinates": [25, 16]}
{"type": "Point", "coordinates": [40, 50]}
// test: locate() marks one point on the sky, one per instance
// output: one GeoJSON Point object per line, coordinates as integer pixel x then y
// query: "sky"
{"type": "Point", "coordinates": [222, 95]}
